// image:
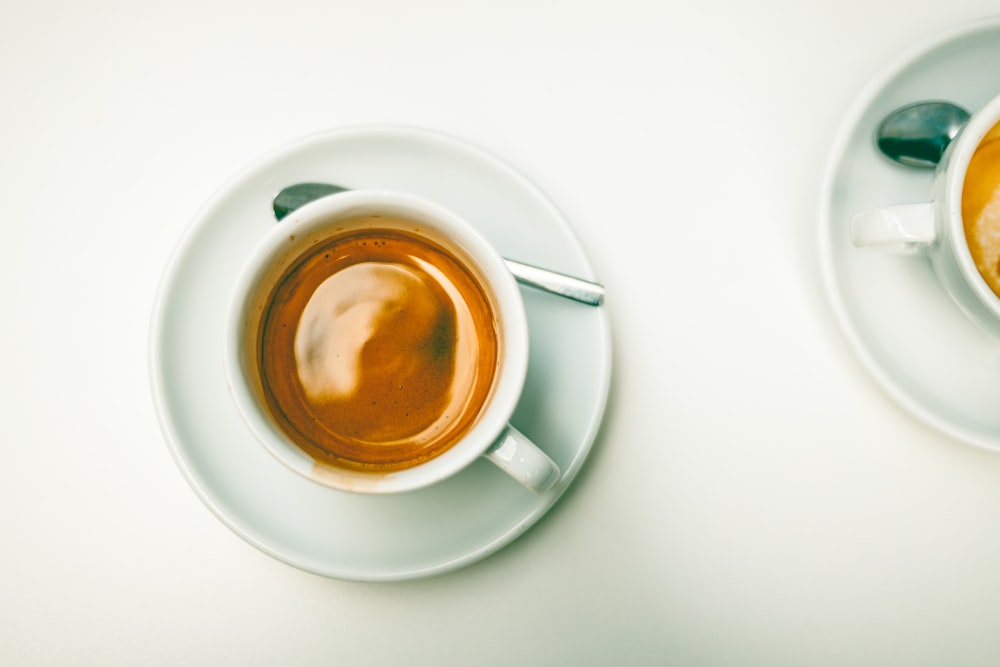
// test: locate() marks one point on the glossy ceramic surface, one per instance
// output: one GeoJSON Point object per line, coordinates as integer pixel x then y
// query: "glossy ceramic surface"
{"type": "Point", "coordinates": [910, 336]}
{"type": "Point", "coordinates": [331, 532]}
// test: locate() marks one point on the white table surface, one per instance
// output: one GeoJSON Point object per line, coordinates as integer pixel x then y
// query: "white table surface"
{"type": "Point", "coordinates": [754, 497]}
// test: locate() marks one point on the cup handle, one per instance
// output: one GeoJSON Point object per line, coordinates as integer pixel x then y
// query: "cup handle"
{"type": "Point", "coordinates": [906, 229]}
{"type": "Point", "coordinates": [520, 458]}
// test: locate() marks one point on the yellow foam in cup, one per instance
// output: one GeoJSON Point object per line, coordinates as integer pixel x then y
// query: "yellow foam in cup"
{"type": "Point", "coordinates": [981, 208]}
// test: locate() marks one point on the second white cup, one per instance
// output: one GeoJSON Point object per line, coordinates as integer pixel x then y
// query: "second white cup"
{"type": "Point", "coordinates": [935, 229]}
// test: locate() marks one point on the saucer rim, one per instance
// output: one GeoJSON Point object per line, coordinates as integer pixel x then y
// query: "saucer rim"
{"type": "Point", "coordinates": [171, 432]}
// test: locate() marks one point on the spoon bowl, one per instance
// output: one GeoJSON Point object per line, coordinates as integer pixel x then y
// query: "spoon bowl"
{"type": "Point", "coordinates": [917, 134]}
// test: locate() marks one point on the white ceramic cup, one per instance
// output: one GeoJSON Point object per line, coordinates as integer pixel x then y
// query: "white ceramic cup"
{"type": "Point", "coordinates": [491, 436]}
{"type": "Point", "coordinates": [934, 229]}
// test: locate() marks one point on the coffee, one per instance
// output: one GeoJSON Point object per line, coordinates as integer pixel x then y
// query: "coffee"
{"type": "Point", "coordinates": [981, 207]}
{"type": "Point", "coordinates": [377, 349]}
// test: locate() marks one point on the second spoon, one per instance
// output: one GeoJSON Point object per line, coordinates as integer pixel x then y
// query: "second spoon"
{"type": "Point", "coordinates": [917, 134]}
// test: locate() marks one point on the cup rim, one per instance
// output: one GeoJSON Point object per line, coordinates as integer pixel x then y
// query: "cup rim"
{"type": "Point", "coordinates": [508, 306]}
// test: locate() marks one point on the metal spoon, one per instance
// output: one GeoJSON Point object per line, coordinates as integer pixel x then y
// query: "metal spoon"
{"type": "Point", "coordinates": [917, 134]}
{"type": "Point", "coordinates": [300, 194]}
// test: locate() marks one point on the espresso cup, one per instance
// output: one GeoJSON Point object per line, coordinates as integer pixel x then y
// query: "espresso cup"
{"type": "Point", "coordinates": [958, 229]}
{"type": "Point", "coordinates": [377, 343]}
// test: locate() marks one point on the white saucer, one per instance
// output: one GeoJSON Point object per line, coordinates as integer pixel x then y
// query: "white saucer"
{"type": "Point", "coordinates": [339, 534]}
{"type": "Point", "coordinates": [911, 337]}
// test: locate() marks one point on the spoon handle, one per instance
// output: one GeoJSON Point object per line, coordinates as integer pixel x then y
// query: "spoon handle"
{"type": "Point", "coordinates": [583, 291]}
{"type": "Point", "coordinates": [592, 294]}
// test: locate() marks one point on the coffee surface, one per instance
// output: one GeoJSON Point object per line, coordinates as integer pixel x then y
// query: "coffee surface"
{"type": "Point", "coordinates": [377, 350]}
{"type": "Point", "coordinates": [981, 208]}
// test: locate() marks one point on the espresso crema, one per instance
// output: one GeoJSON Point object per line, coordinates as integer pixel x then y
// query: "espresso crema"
{"type": "Point", "coordinates": [377, 350]}
{"type": "Point", "coordinates": [981, 208]}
